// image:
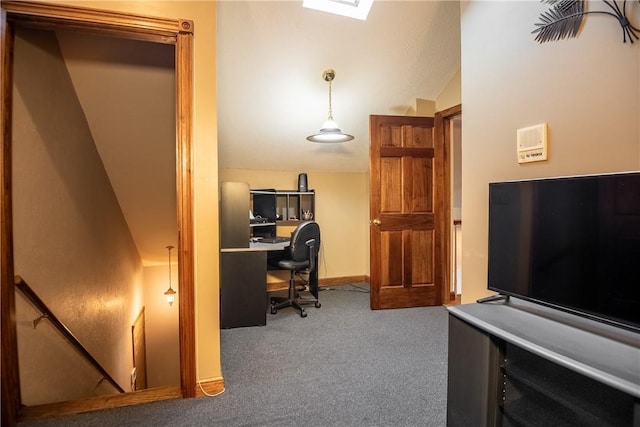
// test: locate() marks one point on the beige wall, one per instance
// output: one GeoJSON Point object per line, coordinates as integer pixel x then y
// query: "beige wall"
{"type": "Point", "coordinates": [163, 350]}
{"type": "Point", "coordinates": [451, 94]}
{"type": "Point", "coordinates": [203, 15]}
{"type": "Point", "coordinates": [71, 241]}
{"type": "Point", "coordinates": [587, 90]}
{"type": "Point", "coordinates": [342, 204]}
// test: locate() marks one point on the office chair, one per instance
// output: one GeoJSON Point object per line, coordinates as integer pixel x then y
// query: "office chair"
{"type": "Point", "coordinates": [302, 258]}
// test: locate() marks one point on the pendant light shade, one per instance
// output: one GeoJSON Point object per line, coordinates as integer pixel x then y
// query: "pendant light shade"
{"type": "Point", "coordinates": [330, 131]}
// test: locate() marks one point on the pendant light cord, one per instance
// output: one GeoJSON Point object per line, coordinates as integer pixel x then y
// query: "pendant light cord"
{"type": "Point", "coordinates": [169, 247]}
{"type": "Point", "coordinates": [330, 109]}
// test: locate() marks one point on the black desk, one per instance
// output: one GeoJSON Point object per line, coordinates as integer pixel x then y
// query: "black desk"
{"type": "Point", "coordinates": [243, 284]}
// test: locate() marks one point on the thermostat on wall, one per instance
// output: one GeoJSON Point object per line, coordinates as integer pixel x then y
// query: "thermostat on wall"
{"type": "Point", "coordinates": [532, 143]}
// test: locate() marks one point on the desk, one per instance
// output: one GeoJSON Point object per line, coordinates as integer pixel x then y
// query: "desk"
{"type": "Point", "coordinates": [243, 284]}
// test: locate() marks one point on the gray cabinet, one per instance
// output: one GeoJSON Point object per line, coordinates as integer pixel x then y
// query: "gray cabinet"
{"type": "Point", "coordinates": [517, 363]}
{"type": "Point", "coordinates": [243, 290]}
{"type": "Point", "coordinates": [234, 215]}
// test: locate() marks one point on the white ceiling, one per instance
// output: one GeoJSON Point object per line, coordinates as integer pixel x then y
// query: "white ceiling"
{"type": "Point", "coordinates": [270, 94]}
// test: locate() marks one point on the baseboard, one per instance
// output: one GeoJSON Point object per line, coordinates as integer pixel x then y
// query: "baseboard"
{"type": "Point", "coordinates": [100, 402]}
{"type": "Point", "coordinates": [210, 387]}
{"type": "Point", "coordinates": [454, 299]}
{"type": "Point", "coordinates": [330, 281]}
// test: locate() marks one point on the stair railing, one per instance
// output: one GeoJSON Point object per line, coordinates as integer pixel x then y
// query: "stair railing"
{"type": "Point", "coordinates": [30, 294]}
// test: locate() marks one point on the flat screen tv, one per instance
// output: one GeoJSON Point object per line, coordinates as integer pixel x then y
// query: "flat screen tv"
{"type": "Point", "coordinates": [570, 242]}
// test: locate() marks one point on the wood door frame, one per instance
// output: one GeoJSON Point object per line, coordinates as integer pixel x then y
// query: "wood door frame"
{"type": "Point", "coordinates": [123, 25]}
{"type": "Point", "coordinates": [442, 130]}
{"type": "Point", "coordinates": [139, 325]}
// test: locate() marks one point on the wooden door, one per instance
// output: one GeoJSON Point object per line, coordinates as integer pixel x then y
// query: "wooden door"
{"type": "Point", "coordinates": [406, 204]}
{"type": "Point", "coordinates": [139, 343]}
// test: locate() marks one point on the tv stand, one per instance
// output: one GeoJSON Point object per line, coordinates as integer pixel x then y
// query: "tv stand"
{"type": "Point", "coordinates": [497, 297]}
{"type": "Point", "coordinates": [513, 362]}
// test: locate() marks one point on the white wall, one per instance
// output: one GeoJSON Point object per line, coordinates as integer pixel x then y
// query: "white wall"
{"type": "Point", "coordinates": [587, 89]}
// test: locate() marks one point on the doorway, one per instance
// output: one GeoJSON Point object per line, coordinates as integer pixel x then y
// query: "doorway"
{"type": "Point", "coordinates": [449, 124]}
{"type": "Point", "coordinates": [176, 32]}
{"type": "Point", "coordinates": [454, 135]}
{"type": "Point", "coordinates": [430, 213]}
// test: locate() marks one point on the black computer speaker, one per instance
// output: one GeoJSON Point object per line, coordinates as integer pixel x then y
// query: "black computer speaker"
{"type": "Point", "coordinates": [302, 182]}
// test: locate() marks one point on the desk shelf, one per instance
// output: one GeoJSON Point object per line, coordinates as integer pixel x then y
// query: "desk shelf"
{"type": "Point", "coordinates": [282, 205]}
{"type": "Point", "coordinates": [277, 207]}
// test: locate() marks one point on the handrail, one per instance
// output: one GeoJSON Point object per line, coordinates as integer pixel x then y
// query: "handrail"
{"type": "Point", "coordinates": [61, 327]}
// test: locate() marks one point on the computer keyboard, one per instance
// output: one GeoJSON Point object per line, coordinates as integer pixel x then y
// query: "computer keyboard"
{"type": "Point", "coordinates": [277, 239]}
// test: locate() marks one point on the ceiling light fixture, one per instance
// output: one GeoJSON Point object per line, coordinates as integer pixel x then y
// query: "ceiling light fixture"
{"type": "Point", "coordinates": [358, 9]}
{"type": "Point", "coordinates": [330, 132]}
{"type": "Point", "coordinates": [170, 293]}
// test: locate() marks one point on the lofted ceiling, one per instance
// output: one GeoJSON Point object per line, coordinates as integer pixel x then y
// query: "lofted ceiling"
{"type": "Point", "coordinates": [270, 94]}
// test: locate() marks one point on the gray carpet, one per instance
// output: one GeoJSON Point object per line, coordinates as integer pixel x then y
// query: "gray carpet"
{"type": "Point", "coordinates": [342, 365]}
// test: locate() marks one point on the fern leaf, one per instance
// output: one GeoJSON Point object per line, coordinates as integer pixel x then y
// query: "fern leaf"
{"type": "Point", "coordinates": [562, 20]}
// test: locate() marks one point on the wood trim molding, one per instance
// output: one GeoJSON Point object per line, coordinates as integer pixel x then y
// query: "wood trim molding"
{"type": "Point", "coordinates": [451, 112]}
{"type": "Point", "coordinates": [184, 180]}
{"type": "Point", "coordinates": [102, 402]}
{"type": "Point", "coordinates": [211, 387]}
{"type": "Point", "coordinates": [114, 24]}
{"type": "Point", "coordinates": [442, 198]}
{"type": "Point", "coordinates": [95, 20]}
{"type": "Point", "coordinates": [10, 388]}
{"type": "Point", "coordinates": [442, 138]}
{"type": "Point", "coordinates": [186, 26]}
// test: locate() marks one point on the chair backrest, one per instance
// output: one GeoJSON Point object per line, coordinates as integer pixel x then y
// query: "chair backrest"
{"type": "Point", "coordinates": [306, 231]}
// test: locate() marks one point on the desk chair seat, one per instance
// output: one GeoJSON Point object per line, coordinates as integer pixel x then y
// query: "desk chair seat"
{"type": "Point", "coordinates": [302, 259]}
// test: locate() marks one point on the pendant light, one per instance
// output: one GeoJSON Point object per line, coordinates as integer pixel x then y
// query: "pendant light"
{"type": "Point", "coordinates": [330, 132]}
{"type": "Point", "coordinates": [170, 293]}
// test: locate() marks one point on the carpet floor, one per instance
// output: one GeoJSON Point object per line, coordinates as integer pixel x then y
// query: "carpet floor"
{"type": "Point", "coordinates": [342, 365]}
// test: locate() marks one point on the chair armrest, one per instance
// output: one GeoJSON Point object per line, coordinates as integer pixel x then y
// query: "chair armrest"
{"type": "Point", "coordinates": [312, 259]}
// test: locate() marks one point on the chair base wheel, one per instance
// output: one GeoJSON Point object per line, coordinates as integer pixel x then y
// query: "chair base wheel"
{"type": "Point", "coordinates": [278, 303]}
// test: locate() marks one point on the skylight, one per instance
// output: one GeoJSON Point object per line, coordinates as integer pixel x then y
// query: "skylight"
{"type": "Point", "coordinates": [358, 9]}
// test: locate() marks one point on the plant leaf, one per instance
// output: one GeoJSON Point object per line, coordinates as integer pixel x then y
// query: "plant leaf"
{"type": "Point", "coordinates": [562, 20]}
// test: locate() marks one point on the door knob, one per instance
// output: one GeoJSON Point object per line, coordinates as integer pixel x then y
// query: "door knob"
{"type": "Point", "coordinates": [376, 222]}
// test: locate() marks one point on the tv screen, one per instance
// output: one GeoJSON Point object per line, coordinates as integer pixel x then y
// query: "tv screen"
{"type": "Point", "coordinates": [571, 242]}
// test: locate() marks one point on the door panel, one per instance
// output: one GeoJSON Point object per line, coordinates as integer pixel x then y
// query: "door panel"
{"type": "Point", "coordinates": [406, 268]}
{"type": "Point", "coordinates": [422, 244]}
{"type": "Point", "coordinates": [422, 181]}
{"type": "Point", "coordinates": [392, 250]}
{"type": "Point", "coordinates": [391, 190]}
